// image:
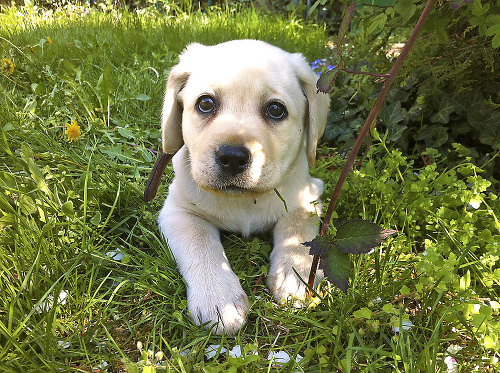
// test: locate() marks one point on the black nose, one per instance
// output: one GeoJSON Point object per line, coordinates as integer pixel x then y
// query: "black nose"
{"type": "Point", "coordinates": [233, 159]}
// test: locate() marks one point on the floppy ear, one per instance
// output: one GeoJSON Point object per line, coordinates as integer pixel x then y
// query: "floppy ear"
{"type": "Point", "coordinates": [317, 106]}
{"type": "Point", "coordinates": [171, 119]}
{"type": "Point", "coordinates": [171, 115]}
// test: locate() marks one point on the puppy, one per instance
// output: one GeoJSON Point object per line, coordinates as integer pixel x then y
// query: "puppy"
{"type": "Point", "coordinates": [243, 118]}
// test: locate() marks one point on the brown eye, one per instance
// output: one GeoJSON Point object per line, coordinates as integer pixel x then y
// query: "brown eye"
{"type": "Point", "coordinates": [205, 105]}
{"type": "Point", "coordinates": [276, 111]}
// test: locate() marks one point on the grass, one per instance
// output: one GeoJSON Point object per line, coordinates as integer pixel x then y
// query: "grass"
{"type": "Point", "coordinates": [85, 274]}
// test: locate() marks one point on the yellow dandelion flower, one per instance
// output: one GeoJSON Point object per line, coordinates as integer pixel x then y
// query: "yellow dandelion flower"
{"type": "Point", "coordinates": [49, 40]}
{"type": "Point", "coordinates": [72, 130]}
{"type": "Point", "coordinates": [7, 66]}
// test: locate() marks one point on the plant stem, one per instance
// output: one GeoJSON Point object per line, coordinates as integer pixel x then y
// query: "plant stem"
{"type": "Point", "coordinates": [367, 125]}
{"type": "Point", "coordinates": [363, 73]}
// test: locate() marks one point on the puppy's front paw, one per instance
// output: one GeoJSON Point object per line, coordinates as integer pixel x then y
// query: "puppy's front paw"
{"type": "Point", "coordinates": [287, 286]}
{"type": "Point", "coordinates": [226, 308]}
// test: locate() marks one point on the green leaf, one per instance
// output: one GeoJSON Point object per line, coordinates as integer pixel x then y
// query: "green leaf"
{"type": "Point", "coordinates": [8, 181]}
{"type": "Point", "coordinates": [345, 24]}
{"type": "Point", "coordinates": [105, 83]}
{"type": "Point", "coordinates": [69, 66]}
{"type": "Point", "coordinates": [67, 209]}
{"type": "Point", "coordinates": [120, 153]}
{"type": "Point", "coordinates": [327, 80]}
{"type": "Point", "coordinates": [360, 236]}
{"type": "Point", "coordinates": [28, 156]}
{"type": "Point", "coordinates": [126, 133]}
{"type": "Point", "coordinates": [493, 30]}
{"type": "Point", "coordinates": [96, 219]}
{"type": "Point", "coordinates": [363, 312]}
{"type": "Point", "coordinates": [336, 266]}
{"type": "Point", "coordinates": [315, 5]}
{"type": "Point", "coordinates": [483, 118]}
{"type": "Point", "coordinates": [491, 135]}
{"type": "Point", "coordinates": [442, 35]}
{"type": "Point", "coordinates": [446, 107]}
{"type": "Point", "coordinates": [8, 220]}
{"type": "Point", "coordinates": [404, 290]}
{"type": "Point", "coordinates": [495, 42]}
{"type": "Point", "coordinates": [391, 114]}
{"type": "Point", "coordinates": [434, 135]}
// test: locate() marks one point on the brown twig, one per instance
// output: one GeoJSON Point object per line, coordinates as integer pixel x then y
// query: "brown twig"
{"type": "Point", "coordinates": [368, 124]}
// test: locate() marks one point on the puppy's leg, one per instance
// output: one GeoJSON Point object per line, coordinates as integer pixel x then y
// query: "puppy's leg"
{"type": "Point", "coordinates": [289, 254]}
{"type": "Point", "coordinates": [213, 290]}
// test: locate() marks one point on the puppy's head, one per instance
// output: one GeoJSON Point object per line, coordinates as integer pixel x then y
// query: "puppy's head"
{"type": "Point", "coordinates": [246, 111]}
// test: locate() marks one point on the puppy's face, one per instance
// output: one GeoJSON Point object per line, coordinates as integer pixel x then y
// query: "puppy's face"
{"type": "Point", "coordinates": [243, 125]}
{"type": "Point", "coordinates": [244, 115]}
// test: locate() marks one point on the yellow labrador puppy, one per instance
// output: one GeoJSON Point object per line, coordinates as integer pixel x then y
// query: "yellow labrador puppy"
{"type": "Point", "coordinates": [243, 118]}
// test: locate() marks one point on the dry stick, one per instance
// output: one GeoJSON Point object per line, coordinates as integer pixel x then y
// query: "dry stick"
{"type": "Point", "coordinates": [366, 127]}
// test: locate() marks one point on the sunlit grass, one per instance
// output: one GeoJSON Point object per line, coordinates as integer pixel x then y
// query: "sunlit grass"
{"type": "Point", "coordinates": [84, 273]}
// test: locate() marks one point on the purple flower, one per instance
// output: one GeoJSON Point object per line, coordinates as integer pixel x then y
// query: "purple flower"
{"type": "Point", "coordinates": [455, 4]}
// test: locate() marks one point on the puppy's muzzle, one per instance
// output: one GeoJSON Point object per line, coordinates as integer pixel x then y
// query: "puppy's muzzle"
{"type": "Point", "coordinates": [232, 160]}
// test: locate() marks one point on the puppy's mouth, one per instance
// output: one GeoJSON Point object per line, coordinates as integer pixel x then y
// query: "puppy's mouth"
{"type": "Point", "coordinates": [232, 190]}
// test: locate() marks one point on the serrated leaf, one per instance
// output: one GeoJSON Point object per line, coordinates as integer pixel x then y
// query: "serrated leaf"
{"type": "Point", "coordinates": [345, 24]}
{"type": "Point", "coordinates": [360, 236]}
{"type": "Point", "coordinates": [126, 133]}
{"type": "Point", "coordinates": [327, 80]}
{"type": "Point", "coordinates": [319, 245]}
{"type": "Point", "coordinates": [336, 266]}
{"type": "Point", "coordinates": [120, 153]}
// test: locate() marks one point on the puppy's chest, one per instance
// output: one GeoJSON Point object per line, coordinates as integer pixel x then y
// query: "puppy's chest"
{"type": "Point", "coordinates": [244, 216]}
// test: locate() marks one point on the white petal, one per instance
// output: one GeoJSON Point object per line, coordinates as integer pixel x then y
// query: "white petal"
{"type": "Point", "coordinates": [279, 357]}
{"type": "Point", "coordinates": [63, 344]}
{"type": "Point", "coordinates": [115, 255]}
{"type": "Point", "coordinates": [236, 351]}
{"type": "Point", "coordinates": [452, 364]}
{"type": "Point", "coordinates": [211, 351]}
{"type": "Point", "coordinates": [407, 325]}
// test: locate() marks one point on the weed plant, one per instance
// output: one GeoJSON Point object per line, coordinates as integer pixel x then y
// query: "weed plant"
{"type": "Point", "coordinates": [85, 275]}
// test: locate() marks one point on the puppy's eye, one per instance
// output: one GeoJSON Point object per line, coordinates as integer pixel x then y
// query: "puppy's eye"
{"type": "Point", "coordinates": [205, 105]}
{"type": "Point", "coordinates": [276, 111]}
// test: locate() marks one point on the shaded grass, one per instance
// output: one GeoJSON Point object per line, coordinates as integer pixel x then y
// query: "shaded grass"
{"type": "Point", "coordinates": [69, 207]}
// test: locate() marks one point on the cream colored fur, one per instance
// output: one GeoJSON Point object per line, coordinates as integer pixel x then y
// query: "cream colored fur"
{"type": "Point", "coordinates": [243, 77]}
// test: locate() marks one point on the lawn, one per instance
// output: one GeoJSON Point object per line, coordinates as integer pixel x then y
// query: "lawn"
{"type": "Point", "coordinates": [87, 283]}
